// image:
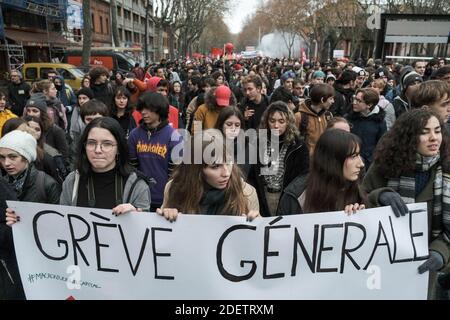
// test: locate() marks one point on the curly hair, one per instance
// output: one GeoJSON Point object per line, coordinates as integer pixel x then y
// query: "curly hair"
{"type": "Point", "coordinates": [292, 132]}
{"type": "Point", "coordinates": [398, 147]}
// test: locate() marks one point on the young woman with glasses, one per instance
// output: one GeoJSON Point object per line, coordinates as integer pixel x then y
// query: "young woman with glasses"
{"type": "Point", "coordinates": [102, 170]}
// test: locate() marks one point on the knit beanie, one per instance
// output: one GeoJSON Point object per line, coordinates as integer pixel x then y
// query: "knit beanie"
{"type": "Point", "coordinates": [318, 74]}
{"type": "Point", "coordinates": [87, 92]}
{"type": "Point", "coordinates": [21, 142]}
{"type": "Point", "coordinates": [287, 75]}
{"type": "Point", "coordinates": [38, 100]}
{"type": "Point", "coordinates": [411, 78]}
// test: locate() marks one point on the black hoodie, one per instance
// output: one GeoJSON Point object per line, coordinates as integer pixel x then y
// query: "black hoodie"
{"type": "Point", "coordinates": [369, 129]}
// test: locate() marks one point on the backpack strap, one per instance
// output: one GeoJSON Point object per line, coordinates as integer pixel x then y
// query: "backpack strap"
{"type": "Point", "coordinates": [40, 184]}
{"type": "Point", "coordinates": [75, 187]}
{"type": "Point", "coordinates": [140, 176]}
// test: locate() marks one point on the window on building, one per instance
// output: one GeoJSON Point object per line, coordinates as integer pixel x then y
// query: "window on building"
{"type": "Point", "coordinates": [128, 36]}
{"type": "Point", "coordinates": [119, 11]}
{"type": "Point", "coordinates": [121, 34]}
{"type": "Point", "coordinates": [127, 14]}
{"type": "Point", "coordinates": [101, 24]}
{"type": "Point", "coordinates": [135, 18]}
{"type": "Point", "coordinates": [93, 22]}
{"type": "Point", "coordinates": [107, 26]}
{"type": "Point", "coordinates": [136, 37]}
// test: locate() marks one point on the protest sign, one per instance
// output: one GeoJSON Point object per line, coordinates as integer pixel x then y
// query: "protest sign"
{"type": "Point", "coordinates": [79, 253]}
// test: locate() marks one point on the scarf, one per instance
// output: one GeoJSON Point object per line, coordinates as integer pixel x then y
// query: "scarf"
{"type": "Point", "coordinates": [276, 167]}
{"type": "Point", "coordinates": [406, 187]}
{"type": "Point", "coordinates": [17, 183]}
{"type": "Point", "coordinates": [213, 200]}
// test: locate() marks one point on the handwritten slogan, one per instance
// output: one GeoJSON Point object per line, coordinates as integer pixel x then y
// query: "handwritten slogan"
{"type": "Point", "coordinates": [80, 253]}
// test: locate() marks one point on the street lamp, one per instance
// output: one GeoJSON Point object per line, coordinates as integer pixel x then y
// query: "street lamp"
{"type": "Point", "coordinates": [311, 36]}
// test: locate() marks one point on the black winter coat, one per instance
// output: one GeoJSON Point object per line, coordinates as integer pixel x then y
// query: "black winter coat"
{"type": "Point", "coordinates": [370, 130]}
{"type": "Point", "coordinates": [31, 193]}
{"type": "Point", "coordinates": [10, 283]}
{"type": "Point", "coordinates": [104, 92]}
{"type": "Point", "coordinates": [342, 102]}
{"type": "Point", "coordinates": [18, 94]}
{"type": "Point", "coordinates": [56, 138]}
{"type": "Point", "coordinates": [296, 163]}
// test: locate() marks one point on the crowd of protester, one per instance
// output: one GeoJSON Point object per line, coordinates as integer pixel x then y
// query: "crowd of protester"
{"type": "Point", "coordinates": [349, 135]}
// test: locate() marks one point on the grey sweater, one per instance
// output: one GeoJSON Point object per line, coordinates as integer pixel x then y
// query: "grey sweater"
{"type": "Point", "coordinates": [140, 195]}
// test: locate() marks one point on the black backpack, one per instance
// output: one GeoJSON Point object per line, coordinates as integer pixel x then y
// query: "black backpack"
{"type": "Point", "coordinates": [141, 176]}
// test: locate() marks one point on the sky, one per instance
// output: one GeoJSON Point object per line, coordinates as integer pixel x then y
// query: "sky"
{"type": "Point", "coordinates": [240, 10]}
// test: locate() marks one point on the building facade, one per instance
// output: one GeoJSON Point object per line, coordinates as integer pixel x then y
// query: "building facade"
{"type": "Point", "coordinates": [31, 31]}
{"type": "Point", "coordinates": [131, 20]}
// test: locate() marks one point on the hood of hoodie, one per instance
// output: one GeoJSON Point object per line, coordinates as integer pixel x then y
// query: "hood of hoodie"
{"type": "Point", "coordinates": [63, 83]}
{"type": "Point", "coordinates": [152, 84]}
{"type": "Point", "coordinates": [152, 131]}
{"type": "Point", "coordinates": [305, 107]}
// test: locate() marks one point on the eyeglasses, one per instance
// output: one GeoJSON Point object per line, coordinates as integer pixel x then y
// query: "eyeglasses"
{"type": "Point", "coordinates": [105, 146]}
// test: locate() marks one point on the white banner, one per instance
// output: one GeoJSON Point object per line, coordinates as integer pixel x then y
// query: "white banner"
{"type": "Point", "coordinates": [78, 253]}
{"type": "Point", "coordinates": [338, 54]}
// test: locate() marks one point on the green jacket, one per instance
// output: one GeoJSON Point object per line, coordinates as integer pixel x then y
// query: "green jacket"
{"type": "Point", "coordinates": [374, 184]}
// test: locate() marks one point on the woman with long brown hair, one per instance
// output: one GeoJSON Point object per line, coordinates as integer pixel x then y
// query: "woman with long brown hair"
{"type": "Point", "coordinates": [283, 157]}
{"type": "Point", "coordinates": [212, 186]}
{"type": "Point", "coordinates": [333, 181]}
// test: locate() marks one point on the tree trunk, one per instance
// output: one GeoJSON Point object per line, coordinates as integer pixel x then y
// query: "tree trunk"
{"type": "Point", "coordinates": [87, 33]}
{"type": "Point", "coordinates": [171, 43]}
{"type": "Point", "coordinates": [161, 42]}
{"type": "Point", "coordinates": [115, 30]}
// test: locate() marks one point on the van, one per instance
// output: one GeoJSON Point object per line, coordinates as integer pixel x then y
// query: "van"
{"type": "Point", "coordinates": [111, 60]}
{"type": "Point", "coordinates": [33, 72]}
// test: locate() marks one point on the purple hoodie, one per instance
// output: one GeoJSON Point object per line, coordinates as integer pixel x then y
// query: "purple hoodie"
{"type": "Point", "coordinates": [150, 151]}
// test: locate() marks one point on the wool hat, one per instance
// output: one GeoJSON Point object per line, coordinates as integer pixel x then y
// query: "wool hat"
{"type": "Point", "coordinates": [331, 76]}
{"type": "Point", "coordinates": [38, 100]}
{"type": "Point", "coordinates": [21, 142]}
{"type": "Point", "coordinates": [411, 78]}
{"type": "Point", "coordinates": [223, 95]}
{"type": "Point", "coordinates": [381, 73]}
{"type": "Point", "coordinates": [318, 74]}
{"type": "Point", "coordinates": [287, 75]}
{"type": "Point", "coordinates": [87, 92]}
{"type": "Point", "coordinates": [346, 77]}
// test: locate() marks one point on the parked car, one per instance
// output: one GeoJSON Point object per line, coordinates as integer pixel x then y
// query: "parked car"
{"type": "Point", "coordinates": [33, 72]}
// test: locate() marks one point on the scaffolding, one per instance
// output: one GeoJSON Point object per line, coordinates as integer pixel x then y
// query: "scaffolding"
{"type": "Point", "coordinates": [16, 55]}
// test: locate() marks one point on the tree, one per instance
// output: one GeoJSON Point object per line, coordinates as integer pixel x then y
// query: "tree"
{"type": "Point", "coordinates": [215, 34]}
{"type": "Point", "coordinates": [165, 15]}
{"type": "Point", "coordinates": [254, 27]}
{"type": "Point", "coordinates": [195, 16]}
{"type": "Point", "coordinates": [87, 33]}
{"type": "Point", "coordinates": [114, 28]}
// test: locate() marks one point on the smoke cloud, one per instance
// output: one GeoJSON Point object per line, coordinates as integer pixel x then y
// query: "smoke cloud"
{"type": "Point", "coordinates": [274, 46]}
